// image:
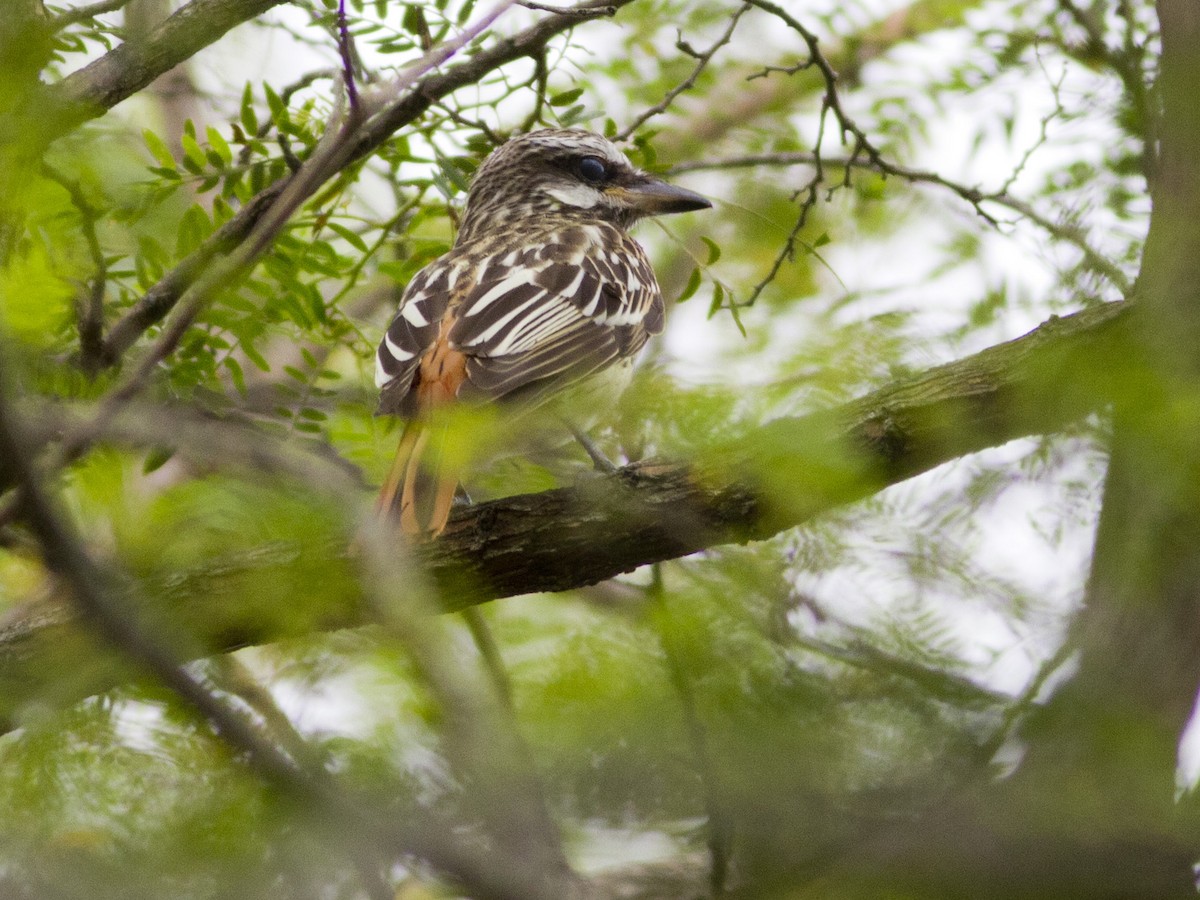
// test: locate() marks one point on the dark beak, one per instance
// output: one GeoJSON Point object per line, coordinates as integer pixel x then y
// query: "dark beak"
{"type": "Point", "coordinates": [651, 197]}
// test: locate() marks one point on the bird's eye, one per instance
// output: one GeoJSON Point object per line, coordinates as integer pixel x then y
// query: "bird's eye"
{"type": "Point", "coordinates": [592, 169]}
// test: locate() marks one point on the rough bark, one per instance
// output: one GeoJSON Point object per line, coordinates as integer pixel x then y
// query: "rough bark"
{"type": "Point", "coordinates": [130, 67]}
{"type": "Point", "coordinates": [780, 476]}
{"type": "Point", "coordinates": [1092, 810]}
{"type": "Point", "coordinates": [1139, 633]}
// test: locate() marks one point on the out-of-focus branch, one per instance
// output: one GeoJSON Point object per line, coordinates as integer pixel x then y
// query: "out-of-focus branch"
{"type": "Point", "coordinates": [478, 734]}
{"type": "Point", "coordinates": [778, 477]}
{"type": "Point", "coordinates": [99, 601]}
{"type": "Point", "coordinates": [89, 306]}
{"type": "Point", "coordinates": [94, 593]}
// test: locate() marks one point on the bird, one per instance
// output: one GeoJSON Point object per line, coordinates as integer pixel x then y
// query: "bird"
{"type": "Point", "coordinates": [543, 289]}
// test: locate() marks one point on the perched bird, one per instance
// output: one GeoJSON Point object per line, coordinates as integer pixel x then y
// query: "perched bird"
{"type": "Point", "coordinates": [543, 288]}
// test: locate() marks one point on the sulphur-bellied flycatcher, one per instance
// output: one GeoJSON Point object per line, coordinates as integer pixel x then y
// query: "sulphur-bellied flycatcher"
{"type": "Point", "coordinates": [543, 288]}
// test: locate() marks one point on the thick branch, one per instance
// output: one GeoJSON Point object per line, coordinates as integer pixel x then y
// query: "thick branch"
{"type": "Point", "coordinates": [781, 476]}
{"type": "Point", "coordinates": [126, 69]}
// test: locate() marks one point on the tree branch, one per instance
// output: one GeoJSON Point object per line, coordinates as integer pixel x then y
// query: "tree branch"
{"type": "Point", "coordinates": [702, 61]}
{"type": "Point", "coordinates": [162, 297]}
{"type": "Point", "coordinates": [781, 476]}
{"type": "Point", "coordinates": [1074, 235]}
{"type": "Point", "coordinates": [126, 69]}
{"type": "Point", "coordinates": [82, 13]}
{"type": "Point", "coordinates": [100, 600]}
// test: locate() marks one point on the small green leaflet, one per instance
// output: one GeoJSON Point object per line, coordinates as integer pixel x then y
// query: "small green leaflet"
{"type": "Point", "coordinates": [158, 149]}
{"type": "Point", "coordinates": [219, 145]}
{"type": "Point", "coordinates": [693, 285]}
{"type": "Point", "coordinates": [249, 119]}
{"type": "Point", "coordinates": [565, 97]}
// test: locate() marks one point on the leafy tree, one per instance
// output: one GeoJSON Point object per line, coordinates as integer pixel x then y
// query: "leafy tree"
{"type": "Point", "coordinates": [888, 600]}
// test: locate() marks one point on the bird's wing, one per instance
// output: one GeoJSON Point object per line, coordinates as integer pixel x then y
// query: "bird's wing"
{"type": "Point", "coordinates": [556, 311]}
{"type": "Point", "coordinates": [413, 332]}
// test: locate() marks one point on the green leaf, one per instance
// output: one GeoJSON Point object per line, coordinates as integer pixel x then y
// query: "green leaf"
{"type": "Point", "coordinates": [566, 97]}
{"type": "Point", "coordinates": [156, 458]}
{"type": "Point", "coordinates": [254, 356]}
{"type": "Point", "coordinates": [349, 236]}
{"type": "Point", "coordinates": [158, 149]}
{"type": "Point", "coordinates": [714, 252]}
{"type": "Point", "coordinates": [822, 240]}
{"type": "Point", "coordinates": [193, 157]}
{"type": "Point", "coordinates": [236, 374]}
{"type": "Point", "coordinates": [218, 143]}
{"type": "Point", "coordinates": [573, 115]}
{"type": "Point", "coordinates": [735, 311]}
{"type": "Point", "coordinates": [193, 229]}
{"type": "Point", "coordinates": [248, 116]}
{"type": "Point", "coordinates": [279, 112]}
{"type": "Point", "coordinates": [692, 286]}
{"type": "Point", "coordinates": [718, 298]}
{"type": "Point", "coordinates": [414, 20]}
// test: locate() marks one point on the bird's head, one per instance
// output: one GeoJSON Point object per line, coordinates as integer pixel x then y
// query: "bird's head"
{"type": "Point", "coordinates": [567, 173]}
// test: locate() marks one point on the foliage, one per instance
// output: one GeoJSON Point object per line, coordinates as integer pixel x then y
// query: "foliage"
{"type": "Point", "coordinates": [895, 186]}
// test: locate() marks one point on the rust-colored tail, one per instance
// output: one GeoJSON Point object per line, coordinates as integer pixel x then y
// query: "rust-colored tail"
{"type": "Point", "coordinates": [420, 487]}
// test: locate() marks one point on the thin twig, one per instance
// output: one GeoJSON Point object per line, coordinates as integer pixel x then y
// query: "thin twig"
{"type": "Point", "coordinates": [1093, 259]}
{"type": "Point", "coordinates": [568, 10]}
{"type": "Point", "coordinates": [474, 124]}
{"type": "Point", "coordinates": [489, 652]}
{"type": "Point", "coordinates": [720, 831]}
{"type": "Point", "coordinates": [89, 306]}
{"type": "Point", "coordinates": [394, 105]}
{"type": "Point", "coordinates": [702, 61]}
{"type": "Point", "coordinates": [831, 102]}
{"type": "Point", "coordinates": [82, 13]}
{"type": "Point", "coordinates": [479, 735]}
{"type": "Point", "coordinates": [346, 51]}
{"type": "Point", "coordinates": [539, 80]}
{"type": "Point", "coordinates": [231, 675]}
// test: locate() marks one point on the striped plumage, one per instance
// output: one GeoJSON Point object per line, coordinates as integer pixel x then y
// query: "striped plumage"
{"type": "Point", "coordinates": [544, 287]}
